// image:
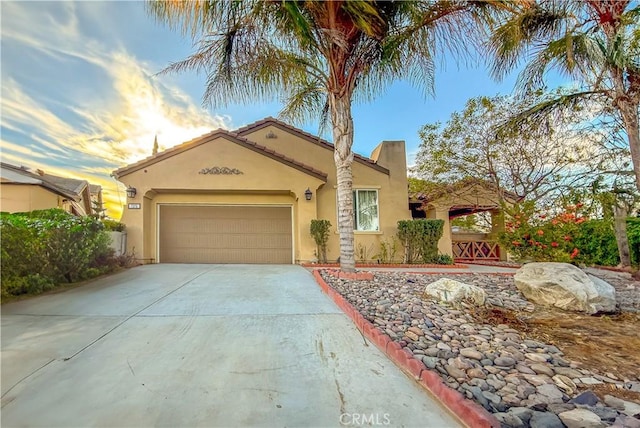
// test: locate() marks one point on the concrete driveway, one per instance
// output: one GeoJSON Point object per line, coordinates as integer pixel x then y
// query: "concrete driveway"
{"type": "Point", "coordinates": [199, 345]}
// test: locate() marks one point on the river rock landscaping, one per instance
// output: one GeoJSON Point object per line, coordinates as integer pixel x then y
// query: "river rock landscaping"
{"type": "Point", "coordinates": [530, 366]}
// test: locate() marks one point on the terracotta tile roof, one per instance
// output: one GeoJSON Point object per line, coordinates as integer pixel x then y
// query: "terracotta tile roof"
{"type": "Point", "coordinates": [438, 191]}
{"type": "Point", "coordinates": [268, 121]}
{"type": "Point", "coordinates": [230, 136]}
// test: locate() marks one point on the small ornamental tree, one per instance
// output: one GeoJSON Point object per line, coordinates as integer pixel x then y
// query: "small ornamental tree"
{"type": "Point", "coordinates": [320, 232]}
{"type": "Point", "coordinates": [539, 237]}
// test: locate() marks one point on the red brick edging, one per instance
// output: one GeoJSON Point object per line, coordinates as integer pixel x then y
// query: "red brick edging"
{"type": "Point", "coordinates": [470, 413]}
{"type": "Point", "coordinates": [498, 264]}
{"type": "Point", "coordinates": [614, 269]}
{"type": "Point", "coordinates": [358, 276]}
{"type": "Point", "coordinates": [386, 265]}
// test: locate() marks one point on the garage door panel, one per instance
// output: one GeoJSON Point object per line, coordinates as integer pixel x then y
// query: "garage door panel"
{"type": "Point", "coordinates": [231, 240]}
{"type": "Point", "coordinates": [206, 255]}
{"type": "Point", "coordinates": [207, 234]}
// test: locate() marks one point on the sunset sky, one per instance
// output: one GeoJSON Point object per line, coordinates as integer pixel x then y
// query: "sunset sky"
{"type": "Point", "coordinates": [81, 95]}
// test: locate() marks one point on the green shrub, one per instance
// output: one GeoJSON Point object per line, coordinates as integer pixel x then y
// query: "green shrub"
{"type": "Point", "coordinates": [535, 237]}
{"type": "Point", "coordinates": [113, 225]}
{"type": "Point", "coordinates": [42, 248]}
{"type": "Point", "coordinates": [596, 242]}
{"type": "Point", "coordinates": [633, 234]}
{"type": "Point", "coordinates": [30, 284]}
{"type": "Point", "coordinates": [21, 250]}
{"type": "Point", "coordinates": [387, 250]}
{"type": "Point", "coordinates": [420, 239]}
{"type": "Point", "coordinates": [320, 230]}
{"type": "Point", "coordinates": [444, 259]}
{"type": "Point", "coordinates": [363, 253]}
{"type": "Point", "coordinates": [566, 237]}
{"type": "Point", "coordinates": [73, 246]}
{"type": "Point", "coordinates": [55, 214]}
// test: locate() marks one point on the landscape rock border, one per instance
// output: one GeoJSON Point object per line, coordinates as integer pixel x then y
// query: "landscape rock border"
{"type": "Point", "coordinates": [469, 412]}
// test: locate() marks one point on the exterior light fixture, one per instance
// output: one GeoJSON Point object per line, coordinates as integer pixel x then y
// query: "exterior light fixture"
{"type": "Point", "coordinates": [308, 194]}
{"type": "Point", "coordinates": [131, 192]}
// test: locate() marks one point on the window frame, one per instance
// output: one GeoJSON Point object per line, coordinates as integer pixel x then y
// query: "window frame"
{"type": "Point", "coordinates": [356, 211]}
{"type": "Point", "coordinates": [356, 231]}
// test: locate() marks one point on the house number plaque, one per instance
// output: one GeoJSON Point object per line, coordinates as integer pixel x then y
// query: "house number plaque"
{"type": "Point", "coordinates": [133, 206]}
{"type": "Point", "coordinates": [220, 170]}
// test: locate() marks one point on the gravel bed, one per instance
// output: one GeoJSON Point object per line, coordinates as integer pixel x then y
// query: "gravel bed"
{"type": "Point", "coordinates": [524, 383]}
{"type": "Point", "coordinates": [627, 288]}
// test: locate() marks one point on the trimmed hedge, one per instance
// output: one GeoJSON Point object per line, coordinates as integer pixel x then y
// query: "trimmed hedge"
{"type": "Point", "coordinates": [40, 249]}
{"type": "Point", "coordinates": [420, 240]}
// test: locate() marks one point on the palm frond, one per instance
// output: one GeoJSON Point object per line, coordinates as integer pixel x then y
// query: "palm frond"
{"type": "Point", "coordinates": [196, 17]}
{"type": "Point", "coordinates": [577, 55]}
{"type": "Point", "coordinates": [304, 102]}
{"type": "Point", "coordinates": [510, 42]}
{"type": "Point", "coordinates": [541, 115]}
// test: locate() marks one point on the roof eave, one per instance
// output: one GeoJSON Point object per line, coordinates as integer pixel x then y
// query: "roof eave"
{"type": "Point", "coordinates": [270, 121]}
{"type": "Point", "coordinates": [220, 133]}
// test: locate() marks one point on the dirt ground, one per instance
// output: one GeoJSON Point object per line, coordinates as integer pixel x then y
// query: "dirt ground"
{"type": "Point", "coordinates": [602, 344]}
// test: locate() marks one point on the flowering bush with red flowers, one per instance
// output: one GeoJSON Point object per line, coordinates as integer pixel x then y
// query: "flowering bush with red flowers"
{"type": "Point", "coordinates": [542, 237]}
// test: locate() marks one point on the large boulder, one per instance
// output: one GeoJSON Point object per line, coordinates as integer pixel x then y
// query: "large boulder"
{"type": "Point", "coordinates": [449, 290]}
{"type": "Point", "coordinates": [566, 287]}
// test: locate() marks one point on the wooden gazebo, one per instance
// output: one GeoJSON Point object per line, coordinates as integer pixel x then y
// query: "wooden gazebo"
{"type": "Point", "coordinates": [465, 197]}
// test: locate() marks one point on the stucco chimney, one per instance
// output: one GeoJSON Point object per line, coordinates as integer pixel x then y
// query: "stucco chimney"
{"type": "Point", "coordinates": [391, 155]}
{"type": "Point", "coordinates": [40, 172]}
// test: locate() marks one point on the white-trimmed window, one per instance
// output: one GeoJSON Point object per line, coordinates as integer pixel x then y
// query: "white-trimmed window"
{"type": "Point", "coordinates": [366, 217]}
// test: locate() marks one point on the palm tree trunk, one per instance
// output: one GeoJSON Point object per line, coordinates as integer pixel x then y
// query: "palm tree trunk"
{"type": "Point", "coordinates": [620, 229]}
{"type": "Point", "coordinates": [342, 122]}
{"type": "Point", "coordinates": [629, 114]}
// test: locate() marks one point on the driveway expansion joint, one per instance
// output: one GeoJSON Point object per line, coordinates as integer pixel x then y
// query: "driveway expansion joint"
{"type": "Point", "coordinates": [135, 314]}
{"type": "Point", "coordinates": [28, 376]}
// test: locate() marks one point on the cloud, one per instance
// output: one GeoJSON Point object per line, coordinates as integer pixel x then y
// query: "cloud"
{"type": "Point", "coordinates": [80, 105]}
{"type": "Point", "coordinates": [21, 150]}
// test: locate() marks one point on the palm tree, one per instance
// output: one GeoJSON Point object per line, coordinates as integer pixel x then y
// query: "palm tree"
{"type": "Point", "coordinates": [320, 56]}
{"type": "Point", "coordinates": [595, 42]}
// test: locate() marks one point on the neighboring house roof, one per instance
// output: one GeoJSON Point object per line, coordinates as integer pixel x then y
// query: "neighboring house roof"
{"type": "Point", "coordinates": [20, 175]}
{"type": "Point", "coordinates": [71, 184]}
{"type": "Point", "coordinates": [229, 136]}
{"type": "Point", "coordinates": [270, 121]}
{"type": "Point", "coordinates": [76, 191]}
{"type": "Point", "coordinates": [95, 189]}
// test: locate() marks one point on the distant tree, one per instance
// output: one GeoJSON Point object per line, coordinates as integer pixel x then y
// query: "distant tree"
{"type": "Point", "coordinates": [98, 209]}
{"type": "Point", "coordinates": [155, 145]}
{"type": "Point", "coordinates": [525, 161]}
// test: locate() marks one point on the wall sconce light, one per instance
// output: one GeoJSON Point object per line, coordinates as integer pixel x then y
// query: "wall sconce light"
{"type": "Point", "coordinates": [131, 192]}
{"type": "Point", "coordinates": [308, 194]}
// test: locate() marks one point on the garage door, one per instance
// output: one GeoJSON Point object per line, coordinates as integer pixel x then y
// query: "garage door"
{"type": "Point", "coordinates": [224, 234]}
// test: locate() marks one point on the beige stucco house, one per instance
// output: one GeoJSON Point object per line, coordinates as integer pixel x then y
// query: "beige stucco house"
{"type": "Point", "coordinates": [248, 196]}
{"type": "Point", "coordinates": [23, 190]}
